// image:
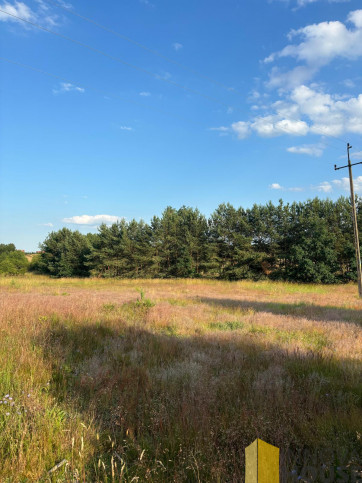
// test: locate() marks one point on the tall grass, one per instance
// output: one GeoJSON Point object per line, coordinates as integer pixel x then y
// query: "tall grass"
{"type": "Point", "coordinates": [170, 380]}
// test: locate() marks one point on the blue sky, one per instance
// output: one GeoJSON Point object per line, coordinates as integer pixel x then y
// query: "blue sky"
{"type": "Point", "coordinates": [258, 104]}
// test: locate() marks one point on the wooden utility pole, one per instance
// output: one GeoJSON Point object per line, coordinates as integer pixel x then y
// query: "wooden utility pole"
{"type": "Point", "coordinates": [354, 218]}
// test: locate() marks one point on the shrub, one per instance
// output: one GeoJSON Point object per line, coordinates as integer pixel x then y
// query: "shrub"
{"type": "Point", "coordinates": [13, 263]}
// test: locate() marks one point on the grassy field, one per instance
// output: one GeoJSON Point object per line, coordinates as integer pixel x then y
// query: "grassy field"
{"type": "Point", "coordinates": [155, 380]}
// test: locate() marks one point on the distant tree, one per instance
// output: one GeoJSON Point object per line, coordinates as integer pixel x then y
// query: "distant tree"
{"type": "Point", "coordinates": [304, 242]}
{"type": "Point", "coordinates": [311, 254]}
{"type": "Point", "coordinates": [64, 254]}
{"type": "Point", "coordinates": [180, 239]}
{"type": "Point", "coordinates": [166, 244]}
{"type": "Point", "coordinates": [123, 250]}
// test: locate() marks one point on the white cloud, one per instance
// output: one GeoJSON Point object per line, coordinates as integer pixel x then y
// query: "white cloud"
{"type": "Point", "coordinates": [270, 126]}
{"type": "Point", "coordinates": [275, 186]}
{"type": "Point", "coordinates": [305, 111]}
{"type": "Point", "coordinates": [356, 155]}
{"type": "Point", "coordinates": [43, 14]}
{"type": "Point", "coordinates": [267, 126]}
{"type": "Point", "coordinates": [126, 128]}
{"type": "Point", "coordinates": [46, 224]}
{"type": "Point", "coordinates": [67, 87]}
{"type": "Point", "coordinates": [309, 149]}
{"type": "Point", "coordinates": [355, 17]}
{"type": "Point", "coordinates": [319, 45]}
{"type": "Point", "coordinates": [325, 186]}
{"type": "Point", "coordinates": [328, 114]}
{"type": "Point", "coordinates": [241, 128]}
{"type": "Point", "coordinates": [177, 46]}
{"type": "Point", "coordinates": [17, 8]}
{"type": "Point", "coordinates": [145, 94]}
{"type": "Point", "coordinates": [92, 219]}
{"type": "Point", "coordinates": [343, 184]}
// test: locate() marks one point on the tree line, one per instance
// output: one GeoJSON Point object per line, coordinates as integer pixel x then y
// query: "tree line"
{"type": "Point", "coordinates": [309, 241]}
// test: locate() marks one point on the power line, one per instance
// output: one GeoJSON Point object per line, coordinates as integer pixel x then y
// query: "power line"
{"type": "Point", "coordinates": [117, 59]}
{"type": "Point", "coordinates": [144, 47]}
{"type": "Point", "coordinates": [55, 76]}
{"type": "Point", "coordinates": [141, 69]}
{"type": "Point", "coordinates": [107, 94]}
{"type": "Point", "coordinates": [323, 133]}
{"type": "Point", "coordinates": [155, 52]}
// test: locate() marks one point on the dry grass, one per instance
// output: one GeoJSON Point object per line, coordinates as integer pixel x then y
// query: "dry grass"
{"type": "Point", "coordinates": [173, 390]}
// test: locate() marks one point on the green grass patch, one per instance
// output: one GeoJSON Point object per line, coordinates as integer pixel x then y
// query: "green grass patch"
{"type": "Point", "coordinates": [178, 302]}
{"type": "Point", "coordinates": [258, 329]}
{"type": "Point", "coordinates": [230, 325]}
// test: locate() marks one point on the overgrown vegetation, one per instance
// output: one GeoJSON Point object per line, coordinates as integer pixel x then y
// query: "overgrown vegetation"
{"type": "Point", "coordinates": [169, 380]}
{"type": "Point", "coordinates": [304, 242]}
{"type": "Point", "coordinates": [12, 261]}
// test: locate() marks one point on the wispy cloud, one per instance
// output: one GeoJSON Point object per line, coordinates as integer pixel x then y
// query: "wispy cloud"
{"type": "Point", "coordinates": [19, 9]}
{"type": "Point", "coordinates": [126, 128]}
{"type": "Point", "coordinates": [147, 3]}
{"type": "Point", "coordinates": [356, 155]}
{"type": "Point", "coordinates": [43, 14]}
{"type": "Point", "coordinates": [145, 94]}
{"type": "Point", "coordinates": [277, 186]}
{"type": "Point", "coordinates": [303, 3]}
{"type": "Point", "coordinates": [92, 219]}
{"type": "Point", "coordinates": [46, 224]}
{"type": "Point", "coordinates": [220, 129]}
{"type": "Point", "coordinates": [67, 87]}
{"type": "Point", "coordinates": [309, 149]}
{"type": "Point", "coordinates": [343, 184]}
{"type": "Point", "coordinates": [165, 76]}
{"type": "Point", "coordinates": [325, 186]}
{"type": "Point", "coordinates": [177, 46]}
{"type": "Point", "coordinates": [339, 184]}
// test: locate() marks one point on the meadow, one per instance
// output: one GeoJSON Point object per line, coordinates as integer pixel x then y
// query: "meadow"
{"type": "Point", "coordinates": [170, 380]}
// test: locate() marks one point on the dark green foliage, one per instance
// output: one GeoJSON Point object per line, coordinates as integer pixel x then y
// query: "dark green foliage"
{"type": "Point", "coordinates": [180, 239]}
{"type": "Point", "coordinates": [235, 252]}
{"type": "Point", "coordinates": [12, 261]}
{"type": "Point", "coordinates": [304, 242]}
{"type": "Point", "coordinates": [64, 254]}
{"type": "Point", "coordinates": [123, 250]}
{"type": "Point", "coordinates": [7, 248]}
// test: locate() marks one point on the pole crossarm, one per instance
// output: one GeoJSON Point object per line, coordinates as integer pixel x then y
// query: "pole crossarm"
{"type": "Point", "coordinates": [341, 167]}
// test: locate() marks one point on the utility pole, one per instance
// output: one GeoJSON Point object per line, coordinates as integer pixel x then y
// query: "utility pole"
{"type": "Point", "coordinates": [354, 218]}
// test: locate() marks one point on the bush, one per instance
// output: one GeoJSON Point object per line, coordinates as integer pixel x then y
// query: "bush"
{"type": "Point", "coordinates": [13, 263]}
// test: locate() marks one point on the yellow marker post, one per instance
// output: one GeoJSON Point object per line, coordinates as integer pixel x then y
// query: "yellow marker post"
{"type": "Point", "coordinates": [261, 463]}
